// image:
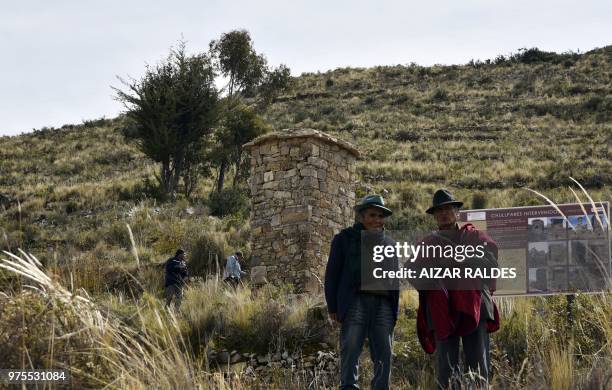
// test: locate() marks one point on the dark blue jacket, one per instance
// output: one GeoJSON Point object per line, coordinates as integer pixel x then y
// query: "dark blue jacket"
{"type": "Point", "coordinates": [341, 282]}
{"type": "Point", "coordinates": [176, 272]}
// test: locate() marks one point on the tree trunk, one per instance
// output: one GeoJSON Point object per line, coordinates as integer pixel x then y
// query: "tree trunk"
{"type": "Point", "coordinates": [177, 170]}
{"type": "Point", "coordinates": [221, 178]}
{"type": "Point", "coordinates": [165, 177]}
{"type": "Point", "coordinates": [238, 168]}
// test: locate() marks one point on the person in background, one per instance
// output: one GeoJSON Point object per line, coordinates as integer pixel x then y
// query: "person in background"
{"type": "Point", "coordinates": [233, 272]}
{"type": "Point", "coordinates": [176, 277]}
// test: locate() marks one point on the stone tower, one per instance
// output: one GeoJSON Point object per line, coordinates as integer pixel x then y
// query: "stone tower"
{"type": "Point", "coordinates": [302, 193]}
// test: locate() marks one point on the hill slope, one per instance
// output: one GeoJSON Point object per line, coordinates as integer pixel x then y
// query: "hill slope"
{"type": "Point", "coordinates": [486, 128]}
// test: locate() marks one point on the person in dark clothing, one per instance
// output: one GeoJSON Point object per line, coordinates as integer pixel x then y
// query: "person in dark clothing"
{"type": "Point", "coordinates": [176, 276]}
{"type": "Point", "coordinates": [457, 311]}
{"type": "Point", "coordinates": [361, 311]}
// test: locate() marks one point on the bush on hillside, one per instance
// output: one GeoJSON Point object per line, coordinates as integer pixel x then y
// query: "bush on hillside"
{"type": "Point", "coordinates": [228, 201]}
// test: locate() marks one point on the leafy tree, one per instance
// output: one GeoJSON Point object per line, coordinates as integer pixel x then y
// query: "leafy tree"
{"type": "Point", "coordinates": [237, 60]}
{"type": "Point", "coordinates": [171, 112]}
{"type": "Point", "coordinates": [248, 76]}
{"type": "Point", "coordinates": [239, 126]}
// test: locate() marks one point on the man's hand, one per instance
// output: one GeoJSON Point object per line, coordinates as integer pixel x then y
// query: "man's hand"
{"type": "Point", "coordinates": [334, 317]}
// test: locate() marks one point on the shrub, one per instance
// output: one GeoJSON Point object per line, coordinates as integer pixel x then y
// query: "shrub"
{"type": "Point", "coordinates": [535, 56]}
{"type": "Point", "coordinates": [117, 233]}
{"type": "Point", "coordinates": [206, 252]}
{"type": "Point", "coordinates": [138, 191]}
{"type": "Point", "coordinates": [479, 200]}
{"type": "Point", "coordinates": [171, 237]}
{"type": "Point", "coordinates": [597, 103]}
{"type": "Point", "coordinates": [228, 201]}
{"type": "Point", "coordinates": [439, 95]}
{"type": "Point", "coordinates": [407, 135]}
{"type": "Point", "coordinates": [71, 207]}
{"type": "Point", "coordinates": [249, 322]}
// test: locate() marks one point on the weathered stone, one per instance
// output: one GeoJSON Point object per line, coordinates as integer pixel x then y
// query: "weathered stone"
{"type": "Point", "coordinates": [262, 359]}
{"type": "Point", "coordinates": [282, 194]}
{"type": "Point", "coordinates": [296, 214]}
{"type": "Point", "coordinates": [222, 357]}
{"type": "Point", "coordinates": [315, 150]}
{"type": "Point", "coordinates": [258, 275]}
{"type": "Point", "coordinates": [294, 152]}
{"type": "Point", "coordinates": [270, 185]}
{"type": "Point", "coordinates": [235, 357]}
{"type": "Point", "coordinates": [308, 172]}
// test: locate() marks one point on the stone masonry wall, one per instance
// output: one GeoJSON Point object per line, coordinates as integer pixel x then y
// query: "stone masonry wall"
{"type": "Point", "coordinates": [303, 191]}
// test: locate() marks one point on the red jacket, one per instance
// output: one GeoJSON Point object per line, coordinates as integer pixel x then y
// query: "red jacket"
{"type": "Point", "coordinates": [454, 312]}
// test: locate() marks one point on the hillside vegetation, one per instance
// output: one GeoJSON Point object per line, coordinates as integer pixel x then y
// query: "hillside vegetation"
{"type": "Point", "coordinates": [484, 130]}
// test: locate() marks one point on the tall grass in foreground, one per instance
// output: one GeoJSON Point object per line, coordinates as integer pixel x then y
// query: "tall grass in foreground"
{"type": "Point", "coordinates": [99, 349]}
{"type": "Point", "coordinates": [148, 346]}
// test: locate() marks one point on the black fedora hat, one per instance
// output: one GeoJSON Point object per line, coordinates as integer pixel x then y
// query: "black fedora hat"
{"type": "Point", "coordinates": [373, 201]}
{"type": "Point", "coordinates": [441, 198]}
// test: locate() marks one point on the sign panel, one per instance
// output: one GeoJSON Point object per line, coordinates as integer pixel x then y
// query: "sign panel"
{"type": "Point", "coordinates": [551, 252]}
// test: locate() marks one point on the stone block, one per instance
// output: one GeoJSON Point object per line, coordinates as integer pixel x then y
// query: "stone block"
{"type": "Point", "coordinates": [317, 162]}
{"type": "Point", "coordinates": [291, 172]}
{"type": "Point", "coordinates": [296, 214]}
{"type": "Point", "coordinates": [270, 185]}
{"type": "Point", "coordinates": [259, 274]}
{"type": "Point", "coordinates": [310, 172]}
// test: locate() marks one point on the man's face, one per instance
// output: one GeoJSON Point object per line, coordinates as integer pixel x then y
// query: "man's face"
{"type": "Point", "coordinates": [372, 218]}
{"type": "Point", "coordinates": [182, 257]}
{"type": "Point", "coordinates": [446, 216]}
{"type": "Point", "coordinates": [239, 257]}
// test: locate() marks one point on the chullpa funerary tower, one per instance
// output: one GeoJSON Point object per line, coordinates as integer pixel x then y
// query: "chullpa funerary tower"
{"type": "Point", "coordinates": [302, 192]}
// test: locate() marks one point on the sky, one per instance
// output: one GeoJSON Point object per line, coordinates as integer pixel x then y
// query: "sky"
{"type": "Point", "coordinates": [59, 59]}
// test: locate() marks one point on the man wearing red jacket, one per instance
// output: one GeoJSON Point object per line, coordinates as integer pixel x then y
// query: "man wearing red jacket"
{"type": "Point", "coordinates": [454, 310]}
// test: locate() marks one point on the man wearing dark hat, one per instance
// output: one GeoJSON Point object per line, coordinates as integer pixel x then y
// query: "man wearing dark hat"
{"type": "Point", "coordinates": [176, 276]}
{"type": "Point", "coordinates": [463, 310]}
{"type": "Point", "coordinates": [361, 312]}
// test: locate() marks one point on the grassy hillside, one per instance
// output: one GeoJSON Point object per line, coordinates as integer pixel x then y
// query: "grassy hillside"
{"type": "Point", "coordinates": [482, 127]}
{"type": "Point", "coordinates": [484, 130]}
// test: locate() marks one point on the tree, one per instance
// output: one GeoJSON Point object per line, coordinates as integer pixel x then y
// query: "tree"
{"type": "Point", "coordinates": [171, 112]}
{"type": "Point", "coordinates": [275, 81]}
{"type": "Point", "coordinates": [239, 126]}
{"type": "Point", "coordinates": [237, 60]}
{"type": "Point", "coordinates": [248, 75]}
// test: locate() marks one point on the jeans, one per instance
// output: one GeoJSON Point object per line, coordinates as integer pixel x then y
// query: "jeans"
{"type": "Point", "coordinates": [368, 316]}
{"type": "Point", "coordinates": [477, 361]}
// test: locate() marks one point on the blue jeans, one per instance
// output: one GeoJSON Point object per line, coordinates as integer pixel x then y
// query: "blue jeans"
{"type": "Point", "coordinates": [368, 316]}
